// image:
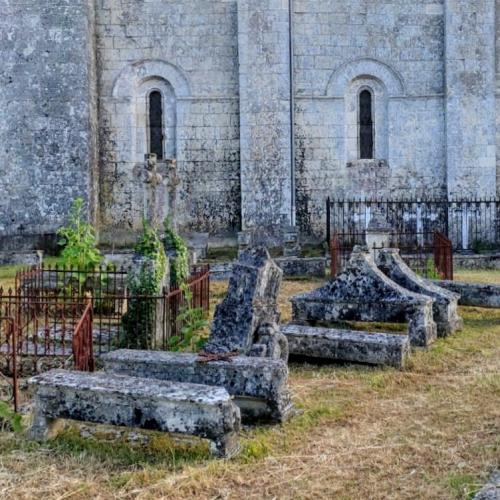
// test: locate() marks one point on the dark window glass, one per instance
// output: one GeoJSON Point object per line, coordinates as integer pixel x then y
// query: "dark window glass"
{"type": "Point", "coordinates": [156, 124]}
{"type": "Point", "coordinates": [365, 125]}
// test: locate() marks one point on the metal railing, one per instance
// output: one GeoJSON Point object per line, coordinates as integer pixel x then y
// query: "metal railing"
{"type": "Point", "coordinates": [8, 356]}
{"type": "Point", "coordinates": [53, 300]}
{"type": "Point", "coordinates": [434, 261]}
{"type": "Point", "coordinates": [471, 224]}
{"type": "Point", "coordinates": [56, 315]}
{"type": "Point", "coordinates": [83, 342]}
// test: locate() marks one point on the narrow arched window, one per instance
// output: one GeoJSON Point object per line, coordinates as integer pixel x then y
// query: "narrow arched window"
{"type": "Point", "coordinates": [156, 124]}
{"type": "Point", "coordinates": [365, 125]}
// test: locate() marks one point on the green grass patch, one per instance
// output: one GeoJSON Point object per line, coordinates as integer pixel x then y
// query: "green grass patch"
{"type": "Point", "coordinates": [463, 485]}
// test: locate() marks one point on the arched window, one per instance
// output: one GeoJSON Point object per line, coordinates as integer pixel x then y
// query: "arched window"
{"type": "Point", "coordinates": [365, 125]}
{"type": "Point", "coordinates": [156, 124]}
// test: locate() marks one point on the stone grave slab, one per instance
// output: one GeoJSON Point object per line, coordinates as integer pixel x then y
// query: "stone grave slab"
{"type": "Point", "coordinates": [445, 306]}
{"type": "Point", "coordinates": [105, 398]}
{"type": "Point", "coordinates": [362, 292]}
{"type": "Point", "coordinates": [347, 345]}
{"type": "Point", "coordinates": [259, 386]}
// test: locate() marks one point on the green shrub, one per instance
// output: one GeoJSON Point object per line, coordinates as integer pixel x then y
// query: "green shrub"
{"type": "Point", "coordinates": [431, 271]}
{"type": "Point", "coordinates": [150, 245]}
{"type": "Point", "coordinates": [482, 246]}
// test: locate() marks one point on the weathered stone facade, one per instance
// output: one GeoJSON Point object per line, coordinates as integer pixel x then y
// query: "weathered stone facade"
{"type": "Point", "coordinates": [77, 75]}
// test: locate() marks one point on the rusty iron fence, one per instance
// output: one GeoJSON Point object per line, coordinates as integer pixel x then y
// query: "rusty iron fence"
{"type": "Point", "coordinates": [8, 358]}
{"type": "Point", "coordinates": [430, 261]}
{"type": "Point", "coordinates": [83, 341]}
{"type": "Point", "coordinates": [54, 300]}
{"type": "Point", "coordinates": [471, 224]}
{"type": "Point", "coordinates": [443, 256]}
{"type": "Point", "coordinates": [63, 317]}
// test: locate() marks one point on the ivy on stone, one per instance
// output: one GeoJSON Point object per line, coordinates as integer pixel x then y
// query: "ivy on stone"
{"type": "Point", "coordinates": [150, 246]}
{"type": "Point", "coordinates": [144, 285]}
{"type": "Point", "coordinates": [178, 252]}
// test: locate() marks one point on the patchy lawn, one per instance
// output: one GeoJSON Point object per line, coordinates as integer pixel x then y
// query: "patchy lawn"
{"type": "Point", "coordinates": [430, 431]}
{"type": "Point", "coordinates": [487, 276]}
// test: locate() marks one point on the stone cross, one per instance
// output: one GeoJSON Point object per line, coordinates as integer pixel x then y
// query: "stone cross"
{"type": "Point", "coordinates": [173, 183]}
{"type": "Point", "coordinates": [153, 180]}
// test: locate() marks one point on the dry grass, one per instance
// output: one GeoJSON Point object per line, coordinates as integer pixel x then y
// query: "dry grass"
{"type": "Point", "coordinates": [478, 276]}
{"type": "Point", "coordinates": [430, 431]}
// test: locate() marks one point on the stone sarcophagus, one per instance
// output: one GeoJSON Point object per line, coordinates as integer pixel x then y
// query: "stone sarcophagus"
{"type": "Point", "coordinates": [259, 385]}
{"type": "Point", "coordinates": [445, 305]}
{"type": "Point", "coordinates": [364, 293]}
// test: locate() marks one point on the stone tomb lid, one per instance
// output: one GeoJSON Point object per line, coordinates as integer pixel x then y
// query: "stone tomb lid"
{"type": "Point", "coordinates": [132, 386]}
{"type": "Point", "coordinates": [362, 282]}
{"type": "Point", "coordinates": [183, 358]}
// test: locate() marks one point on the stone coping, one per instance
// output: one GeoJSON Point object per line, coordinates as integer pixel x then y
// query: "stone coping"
{"type": "Point", "coordinates": [131, 386]}
{"type": "Point", "coordinates": [347, 345]}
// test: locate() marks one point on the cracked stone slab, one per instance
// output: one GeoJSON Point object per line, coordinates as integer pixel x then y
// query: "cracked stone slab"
{"type": "Point", "coordinates": [474, 294]}
{"type": "Point", "coordinates": [347, 345]}
{"type": "Point", "coordinates": [445, 306]}
{"type": "Point", "coordinates": [247, 319]}
{"type": "Point", "coordinates": [259, 385]}
{"type": "Point", "coordinates": [362, 292]}
{"type": "Point", "coordinates": [492, 490]}
{"type": "Point", "coordinates": [107, 398]}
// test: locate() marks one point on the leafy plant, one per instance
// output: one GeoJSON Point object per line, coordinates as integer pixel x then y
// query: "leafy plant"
{"type": "Point", "coordinates": [79, 243]}
{"type": "Point", "coordinates": [150, 245]}
{"type": "Point", "coordinates": [179, 262]}
{"type": "Point", "coordinates": [193, 332]}
{"type": "Point", "coordinates": [9, 419]}
{"type": "Point", "coordinates": [431, 271]}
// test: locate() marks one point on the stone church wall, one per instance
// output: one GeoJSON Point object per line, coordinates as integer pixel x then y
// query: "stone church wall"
{"type": "Point", "coordinates": [395, 48]}
{"type": "Point", "coordinates": [431, 66]}
{"type": "Point", "coordinates": [194, 46]}
{"type": "Point", "coordinates": [47, 115]}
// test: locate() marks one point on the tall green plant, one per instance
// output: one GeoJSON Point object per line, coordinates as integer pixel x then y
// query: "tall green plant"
{"type": "Point", "coordinates": [79, 241]}
{"type": "Point", "coordinates": [179, 263]}
{"type": "Point", "coordinates": [194, 334]}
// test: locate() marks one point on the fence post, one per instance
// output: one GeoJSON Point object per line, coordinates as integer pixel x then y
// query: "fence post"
{"type": "Point", "coordinates": [328, 221]}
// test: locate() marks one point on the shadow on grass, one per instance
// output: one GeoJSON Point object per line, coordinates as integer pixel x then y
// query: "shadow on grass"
{"type": "Point", "coordinates": [159, 450]}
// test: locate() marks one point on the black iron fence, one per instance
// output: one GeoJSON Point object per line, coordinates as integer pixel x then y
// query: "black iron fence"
{"type": "Point", "coordinates": [471, 224]}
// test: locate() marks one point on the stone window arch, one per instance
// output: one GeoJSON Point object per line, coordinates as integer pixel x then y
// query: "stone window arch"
{"type": "Point", "coordinates": [366, 132]}
{"type": "Point", "coordinates": [156, 119]}
{"type": "Point", "coordinates": [366, 120]}
{"type": "Point", "coordinates": [385, 83]}
{"type": "Point", "coordinates": [130, 93]}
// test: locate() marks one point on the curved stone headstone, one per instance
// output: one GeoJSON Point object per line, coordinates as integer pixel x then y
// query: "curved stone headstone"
{"type": "Point", "coordinates": [445, 306]}
{"type": "Point", "coordinates": [362, 292]}
{"type": "Point", "coordinates": [247, 320]}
